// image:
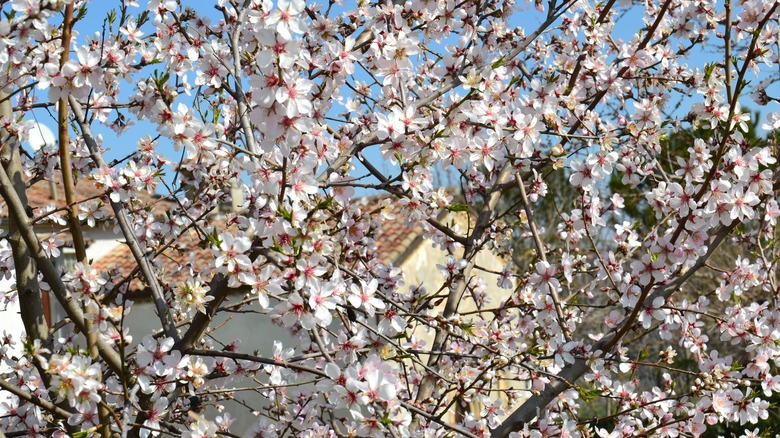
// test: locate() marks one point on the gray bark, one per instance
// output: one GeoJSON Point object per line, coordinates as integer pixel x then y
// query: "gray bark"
{"type": "Point", "coordinates": [30, 303]}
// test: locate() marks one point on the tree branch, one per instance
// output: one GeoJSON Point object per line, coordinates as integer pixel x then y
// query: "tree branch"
{"type": "Point", "coordinates": [37, 401]}
{"type": "Point", "coordinates": [50, 272]}
{"type": "Point", "coordinates": [123, 219]}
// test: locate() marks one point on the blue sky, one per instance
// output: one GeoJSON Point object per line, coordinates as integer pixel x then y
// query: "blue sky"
{"type": "Point", "coordinates": [119, 146]}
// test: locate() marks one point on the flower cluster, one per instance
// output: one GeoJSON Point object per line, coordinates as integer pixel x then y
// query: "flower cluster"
{"type": "Point", "coordinates": [555, 210]}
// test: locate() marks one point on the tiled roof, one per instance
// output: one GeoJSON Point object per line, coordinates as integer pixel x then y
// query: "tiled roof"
{"type": "Point", "coordinates": [174, 260]}
{"type": "Point", "coordinates": [43, 193]}
{"type": "Point", "coordinates": [396, 235]}
{"type": "Point", "coordinates": [393, 241]}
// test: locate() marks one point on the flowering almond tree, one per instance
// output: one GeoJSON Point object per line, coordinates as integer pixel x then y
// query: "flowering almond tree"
{"type": "Point", "coordinates": [304, 107]}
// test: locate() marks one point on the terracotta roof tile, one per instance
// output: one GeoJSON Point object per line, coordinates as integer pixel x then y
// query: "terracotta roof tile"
{"type": "Point", "coordinates": [174, 261]}
{"type": "Point", "coordinates": [396, 234]}
{"type": "Point", "coordinates": [394, 239]}
{"type": "Point", "coordinates": [43, 193]}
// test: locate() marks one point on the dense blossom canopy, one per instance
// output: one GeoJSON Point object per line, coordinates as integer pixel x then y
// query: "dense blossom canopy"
{"type": "Point", "coordinates": [562, 127]}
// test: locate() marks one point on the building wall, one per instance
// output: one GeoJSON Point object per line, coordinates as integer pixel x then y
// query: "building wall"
{"type": "Point", "coordinates": [420, 268]}
{"type": "Point", "coordinates": [256, 334]}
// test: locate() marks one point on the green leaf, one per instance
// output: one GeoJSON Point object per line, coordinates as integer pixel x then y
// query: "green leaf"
{"type": "Point", "coordinates": [386, 421]}
{"type": "Point", "coordinates": [535, 350]}
{"type": "Point", "coordinates": [111, 17]}
{"type": "Point", "coordinates": [589, 394]}
{"type": "Point", "coordinates": [467, 327]}
{"type": "Point", "coordinates": [325, 203]}
{"type": "Point", "coordinates": [708, 69]}
{"type": "Point", "coordinates": [28, 346]}
{"type": "Point", "coordinates": [84, 433]}
{"type": "Point", "coordinates": [214, 239]}
{"type": "Point", "coordinates": [440, 134]}
{"type": "Point", "coordinates": [458, 207]}
{"type": "Point", "coordinates": [285, 214]}
{"type": "Point", "coordinates": [80, 14]}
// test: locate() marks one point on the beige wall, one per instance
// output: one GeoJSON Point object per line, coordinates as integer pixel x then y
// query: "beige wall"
{"type": "Point", "coordinates": [420, 268]}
